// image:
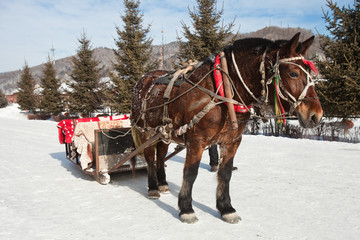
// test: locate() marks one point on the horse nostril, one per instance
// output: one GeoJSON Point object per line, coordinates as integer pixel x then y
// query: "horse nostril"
{"type": "Point", "coordinates": [314, 119]}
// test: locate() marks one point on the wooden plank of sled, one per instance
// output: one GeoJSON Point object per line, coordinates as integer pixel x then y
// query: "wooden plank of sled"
{"type": "Point", "coordinates": [99, 177]}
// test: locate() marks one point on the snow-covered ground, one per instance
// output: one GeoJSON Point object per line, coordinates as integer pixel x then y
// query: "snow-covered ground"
{"type": "Point", "coordinates": [283, 189]}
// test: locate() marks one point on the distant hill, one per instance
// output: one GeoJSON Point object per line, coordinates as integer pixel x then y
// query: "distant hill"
{"type": "Point", "coordinates": [63, 66]}
{"type": "Point", "coordinates": [106, 56]}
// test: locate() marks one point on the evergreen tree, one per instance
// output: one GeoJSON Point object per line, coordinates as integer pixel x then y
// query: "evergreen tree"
{"type": "Point", "coordinates": [3, 100]}
{"type": "Point", "coordinates": [27, 99]}
{"type": "Point", "coordinates": [340, 92]}
{"type": "Point", "coordinates": [133, 55]}
{"type": "Point", "coordinates": [208, 36]}
{"type": "Point", "coordinates": [50, 101]}
{"type": "Point", "coordinates": [85, 94]}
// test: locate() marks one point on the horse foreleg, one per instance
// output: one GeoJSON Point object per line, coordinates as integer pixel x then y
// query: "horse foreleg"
{"type": "Point", "coordinates": [153, 191]}
{"type": "Point", "coordinates": [161, 151]}
{"type": "Point", "coordinates": [191, 167]}
{"type": "Point", "coordinates": [223, 201]}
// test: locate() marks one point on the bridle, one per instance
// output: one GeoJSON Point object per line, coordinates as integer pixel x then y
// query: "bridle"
{"type": "Point", "coordinates": [288, 96]}
{"type": "Point", "coordinates": [283, 93]}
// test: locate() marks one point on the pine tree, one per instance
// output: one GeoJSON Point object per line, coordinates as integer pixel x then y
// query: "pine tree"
{"type": "Point", "coordinates": [208, 36]}
{"type": "Point", "coordinates": [340, 92]}
{"type": "Point", "coordinates": [50, 101]}
{"type": "Point", "coordinates": [27, 99]}
{"type": "Point", "coordinates": [3, 100]}
{"type": "Point", "coordinates": [133, 55]}
{"type": "Point", "coordinates": [85, 95]}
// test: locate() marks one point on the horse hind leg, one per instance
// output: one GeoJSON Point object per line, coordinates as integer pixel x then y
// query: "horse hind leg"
{"type": "Point", "coordinates": [153, 189]}
{"type": "Point", "coordinates": [161, 151]}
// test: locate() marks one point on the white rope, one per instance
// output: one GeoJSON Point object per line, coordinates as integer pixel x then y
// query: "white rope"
{"type": "Point", "coordinates": [241, 79]}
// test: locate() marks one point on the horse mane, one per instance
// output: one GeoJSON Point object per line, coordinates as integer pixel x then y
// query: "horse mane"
{"type": "Point", "coordinates": [256, 45]}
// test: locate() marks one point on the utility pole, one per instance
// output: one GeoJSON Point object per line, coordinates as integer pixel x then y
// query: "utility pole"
{"type": "Point", "coordinates": [52, 49]}
{"type": "Point", "coordinates": [162, 52]}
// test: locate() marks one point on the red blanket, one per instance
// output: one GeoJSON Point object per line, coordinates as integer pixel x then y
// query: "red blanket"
{"type": "Point", "coordinates": [66, 127]}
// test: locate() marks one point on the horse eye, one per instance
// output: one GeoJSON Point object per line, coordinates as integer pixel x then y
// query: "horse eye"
{"type": "Point", "coordinates": [294, 74]}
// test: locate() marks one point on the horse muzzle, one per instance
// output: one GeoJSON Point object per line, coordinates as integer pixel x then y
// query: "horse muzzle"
{"type": "Point", "coordinates": [309, 117]}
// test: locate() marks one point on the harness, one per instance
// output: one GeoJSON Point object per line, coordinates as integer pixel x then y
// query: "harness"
{"type": "Point", "coordinates": [262, 102]}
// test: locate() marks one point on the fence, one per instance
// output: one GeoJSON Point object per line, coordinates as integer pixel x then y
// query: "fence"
{"type": "Point", "coordinates": [332, 130]}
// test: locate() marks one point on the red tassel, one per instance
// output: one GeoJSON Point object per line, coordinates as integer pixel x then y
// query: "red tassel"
{"type": "Point", "coordinates": [279, 109]}
{"type": "Point", "coordinates": [311, 65]}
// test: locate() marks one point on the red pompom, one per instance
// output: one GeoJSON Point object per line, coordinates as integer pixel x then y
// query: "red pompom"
{"type": "Point", "coordinates": [311, 65]}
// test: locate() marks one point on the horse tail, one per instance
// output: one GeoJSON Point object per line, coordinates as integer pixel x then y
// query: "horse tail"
{"type": "Point", "coordinates": [136, 143]}
{"type": "Point", "coordinates": [136, 139]}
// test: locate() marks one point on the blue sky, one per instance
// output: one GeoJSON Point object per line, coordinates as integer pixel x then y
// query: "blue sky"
{"type": "Point", "coordinates": [29, 28]}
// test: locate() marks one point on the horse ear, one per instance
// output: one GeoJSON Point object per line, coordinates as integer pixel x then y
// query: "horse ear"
{"type": "Point", "coordinates": [290, 46]}
{"type": "Point", "coordinates": [305, 46]}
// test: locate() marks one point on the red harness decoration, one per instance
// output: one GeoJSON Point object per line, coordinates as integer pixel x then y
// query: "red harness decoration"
{"type": "Point", "coordinates": [219, 86]}
{"type": "Point", "coordinates": [311, 66]}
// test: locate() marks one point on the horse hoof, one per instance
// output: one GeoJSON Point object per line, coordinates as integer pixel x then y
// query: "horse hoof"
{"type": "Point", "coordinates": [188, 218]}
{"type": "Point", "coordinates": [164, 189]}
{"type": "Point", "coordinates": [154, 194]}
{"type": "Point", "coordinates": [231, 217]}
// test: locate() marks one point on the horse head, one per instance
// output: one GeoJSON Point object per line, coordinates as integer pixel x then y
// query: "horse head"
{"type": "Point", "coordinates": [293, 84]}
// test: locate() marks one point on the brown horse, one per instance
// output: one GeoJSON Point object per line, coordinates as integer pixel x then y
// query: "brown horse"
{"type": "Point", "coordinates": [151, 113]}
